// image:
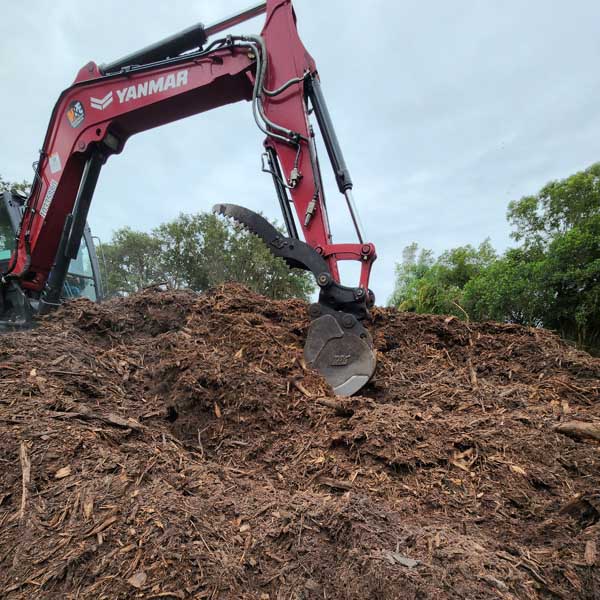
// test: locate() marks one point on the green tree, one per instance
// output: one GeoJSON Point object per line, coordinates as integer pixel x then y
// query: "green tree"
{"type": "Point", "coordinates": [557, 208]}
{"type": "Point", "coordinates": [426, 285]}
{"type": "Point", "coordinates": [182, 258]}
{"type": "Point", "coordinates": [197, 252]}
{"type": "Point", "coordinates": [572, 273]}
{"type": "Point", "coordinates": [413, 268]}
{"type": "Point", "coordinates": [509, 289]}
{"type": "Point", "coordinates": [553, 278]}
{"type": "Point", "coordinates": [203, 250]}
{"type": "Point", "coordinates": [131, 261]}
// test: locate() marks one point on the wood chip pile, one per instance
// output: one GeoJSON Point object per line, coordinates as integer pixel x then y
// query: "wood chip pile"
{"type": "Point", "coordinates": [173, 445]}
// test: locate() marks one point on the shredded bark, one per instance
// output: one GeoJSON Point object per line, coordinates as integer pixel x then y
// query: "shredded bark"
{"type": "Point", "coordinates": [174, 445]}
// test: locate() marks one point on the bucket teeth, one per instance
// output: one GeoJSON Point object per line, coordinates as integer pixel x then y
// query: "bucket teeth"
{"type": "Point", "coordinates": [296, 253]}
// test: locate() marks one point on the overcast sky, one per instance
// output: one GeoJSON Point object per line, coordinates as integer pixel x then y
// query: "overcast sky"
{"type": "Point", "coordinates": [445, 111]}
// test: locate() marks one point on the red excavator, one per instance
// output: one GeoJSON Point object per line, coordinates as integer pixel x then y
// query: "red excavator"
{"type": "Point", "coordinates": [191, 72]}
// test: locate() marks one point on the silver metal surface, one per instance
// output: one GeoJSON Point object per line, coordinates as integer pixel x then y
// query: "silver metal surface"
{"type": "Point", "coordinates": [249, 13]}
{"type": "Point", "coordinates": [355, 217]}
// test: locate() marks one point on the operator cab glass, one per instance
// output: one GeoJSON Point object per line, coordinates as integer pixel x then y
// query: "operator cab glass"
{"type": "Point", "coordinates": [7, 236]}
{"type": "Point", "coordinates": [80, 278]}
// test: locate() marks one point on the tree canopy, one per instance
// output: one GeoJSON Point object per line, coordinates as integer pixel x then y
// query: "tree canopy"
{"type": "Point", "coordinates": [552, 279]}
{"type": "Point", "coordinates": [197, 252]}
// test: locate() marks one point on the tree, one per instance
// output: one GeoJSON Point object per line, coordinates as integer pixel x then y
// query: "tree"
{"type": "Point", "coordinates": [572, 272]}
{"type": "Point", "coordinates": [557, 208]}
{"type": "Point", "coordinates": [197, 252]}
{"type": "Point", "coordinates": [460, 265]}
{"type": "Point", "coordinates": [22, 188]}
{"type": "Point", "coordinates": [510, 289]}
{"type": "Point", "coordinates": [561, 226]}
{"type": "Point", "coordinates": [413, 268]}
{"type": "Point", "coordinates": [183, 260]}
{"type": "Point", "coordinates": [426, 285]}
{"type": "Point", "coordinates": [131, 260]}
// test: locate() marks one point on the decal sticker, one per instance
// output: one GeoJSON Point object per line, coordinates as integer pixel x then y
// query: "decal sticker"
{"type": "Point", "coordinates": [48, 198]}
{"type": "Point", "coordinates": [101, 103]}
{"type": "Point", "coordinates": [153, 86]}
{"type": "Point", "coordinates": [75, 114]}
{"type": "Point", "coordinates": [54, 161]}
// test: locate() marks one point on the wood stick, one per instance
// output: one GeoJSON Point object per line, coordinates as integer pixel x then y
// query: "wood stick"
{"type": "Point", "coordinates": [579, 429]}
{"type": "Point", "coordinates": [335, 483]}
{"type": "Point", "coordinates": [26, 469]}
{"type": "Point", "coordinates": [339, 408]}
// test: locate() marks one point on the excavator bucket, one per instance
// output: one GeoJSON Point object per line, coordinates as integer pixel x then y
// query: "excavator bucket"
{"type": "Point", "coordinates": [337, 344]}
{"type": "Point", "coordinates": [345, 359]}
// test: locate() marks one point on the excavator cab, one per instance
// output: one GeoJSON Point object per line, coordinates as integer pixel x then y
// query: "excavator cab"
{"type": "Point", "coordinates": [83, 277]}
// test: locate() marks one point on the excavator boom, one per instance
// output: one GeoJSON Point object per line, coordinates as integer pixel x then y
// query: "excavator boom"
{"type": "Point", "coordinates": [191, 72]}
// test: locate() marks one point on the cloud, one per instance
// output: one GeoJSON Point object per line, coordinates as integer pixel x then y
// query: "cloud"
{"type": "Point", "coordinates": [445, 112]}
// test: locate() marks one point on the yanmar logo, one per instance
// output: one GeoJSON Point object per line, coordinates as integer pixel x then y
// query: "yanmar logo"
{"type": "Point", "coordinates": [102, 103]}
{"type": "Point", "coordinates": [141, 90]}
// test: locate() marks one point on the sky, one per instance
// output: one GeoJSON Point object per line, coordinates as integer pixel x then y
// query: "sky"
{"type": "Point", "coordinates": [445, 112]}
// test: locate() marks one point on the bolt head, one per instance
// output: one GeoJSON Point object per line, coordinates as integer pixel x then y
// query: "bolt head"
{"type": "Point", "coordinates": [323, 279]}
{"type": "Point", "coordinates": [314, 311]}
{"type": "Point", "coordinates": [348, 321]}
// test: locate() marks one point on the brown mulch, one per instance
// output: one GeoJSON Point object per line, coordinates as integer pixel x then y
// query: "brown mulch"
{"type": "Point", "coordinates": [173, 445]}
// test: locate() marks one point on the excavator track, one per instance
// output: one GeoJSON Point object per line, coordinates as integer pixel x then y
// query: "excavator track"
{"type": "Point", "coordinates": [337, 343]}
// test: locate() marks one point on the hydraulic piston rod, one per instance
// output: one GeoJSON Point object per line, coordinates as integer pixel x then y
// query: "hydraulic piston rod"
{"type": "Point", "coordinates": [236, 19]}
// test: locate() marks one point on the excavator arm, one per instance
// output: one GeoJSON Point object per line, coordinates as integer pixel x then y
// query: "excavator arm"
{"type": "Point", "coordinates": [188, 73]}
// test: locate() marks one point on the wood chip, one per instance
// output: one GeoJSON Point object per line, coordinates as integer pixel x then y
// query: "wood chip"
{"type": "Point", "coordinates": [517, 469]}
{"type": "Point", "coordinates": [102, 526]}
{"type": "Point", "coordinates": [63, 472]}
{"type": "Point", "coordinates": [336, 483]}
{"type": "Point", "coordinates": [88, 506]}
{"type": "Point", "coordinates": [395, 558]}
{"type": "Point", "coordinates": [590, 553]}
{"type": "Point", "coordinates": [138, 579]}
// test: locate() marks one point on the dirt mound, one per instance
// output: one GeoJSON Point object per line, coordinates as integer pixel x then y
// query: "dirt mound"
{"type": "Point", "coordinates": [171, 445]}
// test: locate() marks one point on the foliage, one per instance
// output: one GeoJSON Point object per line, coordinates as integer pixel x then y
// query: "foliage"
{"type": "Point", "coordinates": [510, 289]}
{"type": "Point", "coordinates": [198, 252]}
{"type": "Point", "coordinates": [552, 279]}
{"type": "Point", "coordinates": [22, 188]}
{"type": "Point", "coordinates": [557, 208]}
{"type": "Point", "coordinates": [572, 272]}
{"type": "Point", "coordinates": [426, 285]}
{"type": "Point", "coordinates": [130, 261]}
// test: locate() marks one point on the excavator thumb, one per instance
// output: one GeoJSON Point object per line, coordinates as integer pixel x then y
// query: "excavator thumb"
{"type": "Point", "coordinates": [337, 344]}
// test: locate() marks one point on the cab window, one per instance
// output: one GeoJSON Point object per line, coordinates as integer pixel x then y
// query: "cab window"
{"type": "Point", "coordinates": [80, 278]}
{"type": "Point", "coordinates": [7, 235]}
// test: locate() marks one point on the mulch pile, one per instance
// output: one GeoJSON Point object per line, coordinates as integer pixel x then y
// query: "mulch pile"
{"type": "Point", "coordinates": [173, 445]}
